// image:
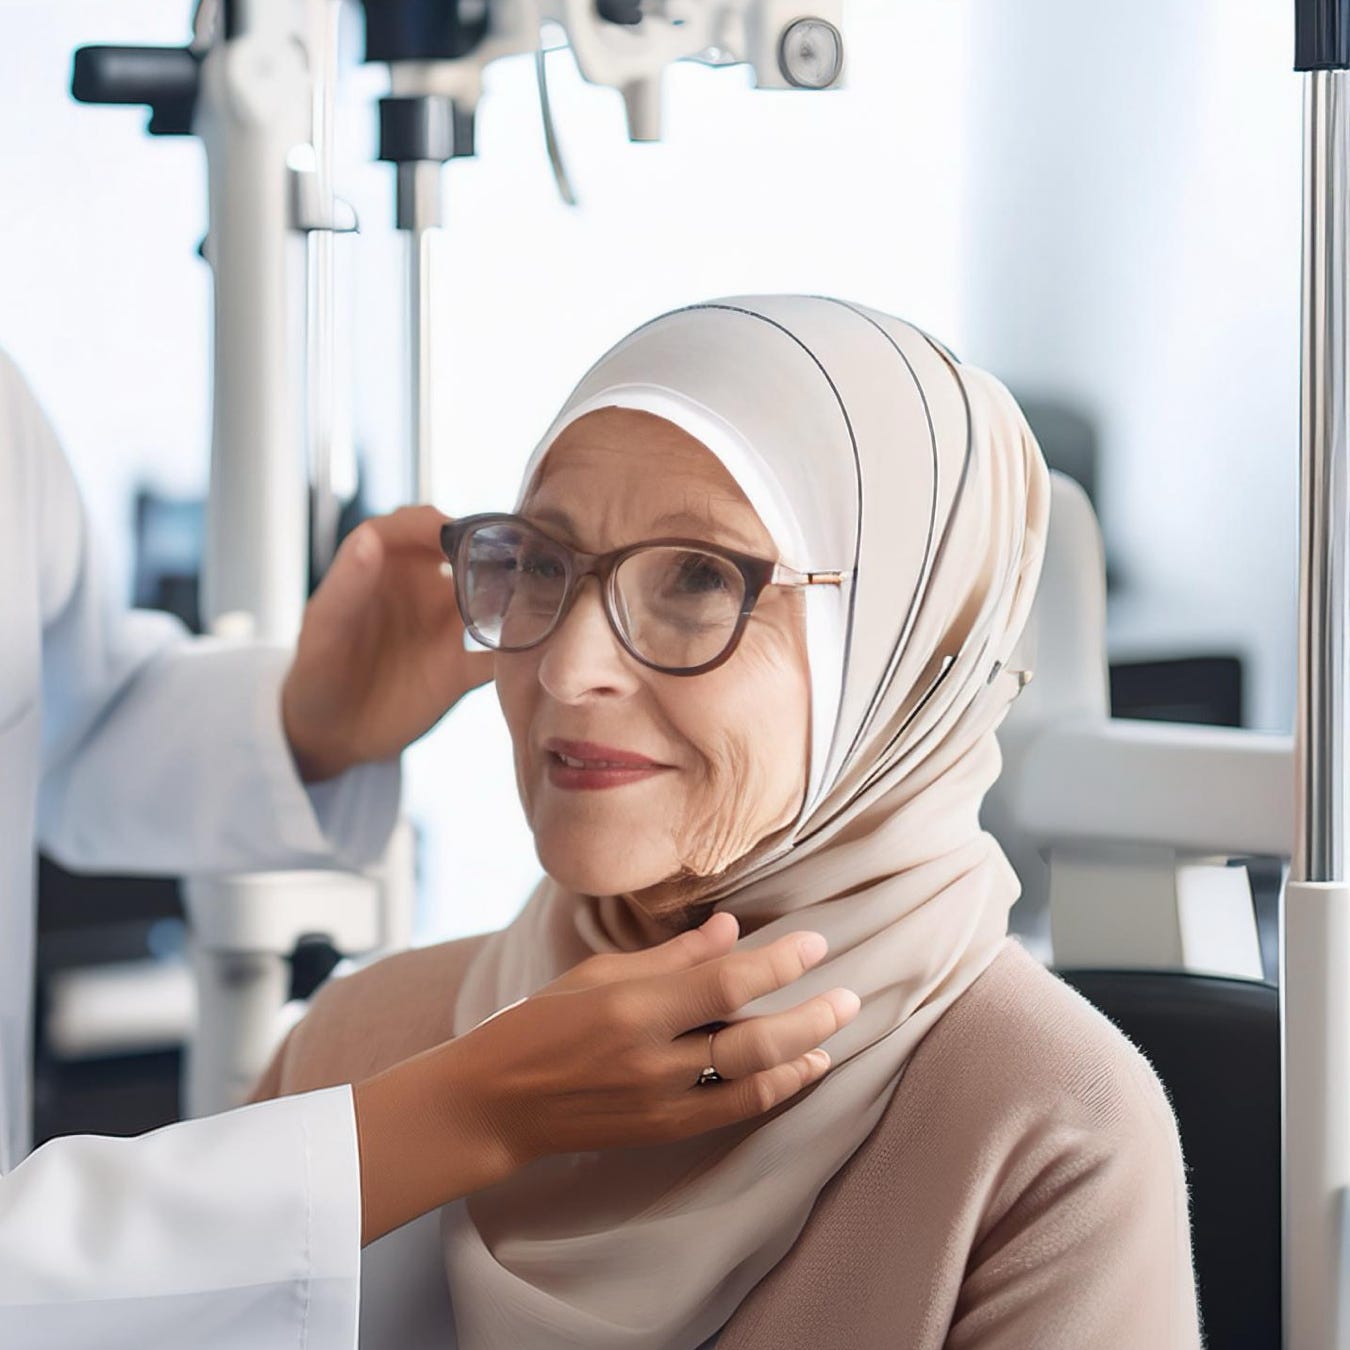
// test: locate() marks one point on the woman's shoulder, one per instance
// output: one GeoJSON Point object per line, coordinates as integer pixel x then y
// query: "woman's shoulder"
{"type": "Point", "coordinates": [1026, 1169]}
{"type": "Point", "coordinates": [1020, 1045]}
{"type": "Point", "coordinates": [1035, 1126]}
{"type": "Point", "coordinates": [1069, 1180]}
{"type": "Point", "coordinates": [1031, 1096]}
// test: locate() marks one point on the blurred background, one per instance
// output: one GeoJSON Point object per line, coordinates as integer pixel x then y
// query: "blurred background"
{"type": "Point", "coordinates": [1097, 203]}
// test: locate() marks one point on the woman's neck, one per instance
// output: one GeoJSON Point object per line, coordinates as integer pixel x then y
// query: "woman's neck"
{"type": "Point", "coordinates": [671, 907]}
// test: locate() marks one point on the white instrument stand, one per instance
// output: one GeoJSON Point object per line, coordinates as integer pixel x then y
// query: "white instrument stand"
{"type": "Point", "coordinates": [263, 88]}
{"type": "Point", "coordinates": [1121, 830]}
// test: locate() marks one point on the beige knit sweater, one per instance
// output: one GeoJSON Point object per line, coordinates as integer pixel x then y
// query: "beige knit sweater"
{"type": "Point", "coordinates": [1023, 1191]}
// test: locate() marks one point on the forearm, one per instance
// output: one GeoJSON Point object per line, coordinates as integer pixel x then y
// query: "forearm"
{"type": "Point", "coordinates": [424, 1138]}
{"type": "Point", "coordinates": [181, 765]}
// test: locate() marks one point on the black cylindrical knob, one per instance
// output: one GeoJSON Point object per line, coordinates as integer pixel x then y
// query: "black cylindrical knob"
{"type": "Point", "coordinates": [163, 78]}
{"type": "Point", "coordinates": [423, 30]}
{"type": "Point", "coordinates": [619, 11]}
{"type": "Point", "coordinates": [1322, 34]}
{"type": "Point", "coordinates": [419, 128]}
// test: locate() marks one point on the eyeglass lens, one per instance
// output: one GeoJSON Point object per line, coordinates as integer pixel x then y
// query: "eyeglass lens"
{"type": "Point", "coordinates": [675, 606]}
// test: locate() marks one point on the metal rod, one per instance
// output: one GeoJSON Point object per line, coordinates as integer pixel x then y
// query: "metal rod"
{"type": "Point", "coordinates": [321, 337]}
{"type": "Point", "coordinates": [1315, 927]}
{"type": "Point", "coordinates": [1319, 853]}
{"type": "Point", "coordinates": [551, 143]}
{"type": "Point", "coordinates": [419, 213]}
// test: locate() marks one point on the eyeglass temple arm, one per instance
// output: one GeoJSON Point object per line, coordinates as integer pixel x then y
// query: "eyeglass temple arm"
{"type": "Point", "coordinates": [789, 576]}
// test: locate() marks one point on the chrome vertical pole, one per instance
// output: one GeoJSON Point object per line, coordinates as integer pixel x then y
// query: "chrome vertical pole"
{"type": "Point", "coordinates": [1320, 851]}
{"type": "Point", "coordinates": [419, 213]}
{"type": "Point", "coordinates": [1315, 934]}
{"type": "Point", "coordinates": [420, 133]}
{"type": "Point", "coordinates": [323, 424]}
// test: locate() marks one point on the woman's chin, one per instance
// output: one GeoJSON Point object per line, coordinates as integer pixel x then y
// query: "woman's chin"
{"type": "Point", "coordinates": [597, 866]}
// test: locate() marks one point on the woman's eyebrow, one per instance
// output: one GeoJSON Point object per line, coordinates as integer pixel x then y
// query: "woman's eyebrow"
{"type": "Point", "coordinates": [550, 515]}
{"type": "Point", "coordinates": [706, 528]}
{"type": "Point", "coordinates": [683, 520]}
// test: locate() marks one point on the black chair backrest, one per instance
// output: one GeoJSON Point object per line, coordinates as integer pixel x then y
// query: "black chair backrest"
{"type": "Point", "coordinates": [1215, 1043]}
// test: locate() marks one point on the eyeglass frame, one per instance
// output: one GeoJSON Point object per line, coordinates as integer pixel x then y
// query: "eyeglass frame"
{"type": "Point", "coordinates": [758, 574]}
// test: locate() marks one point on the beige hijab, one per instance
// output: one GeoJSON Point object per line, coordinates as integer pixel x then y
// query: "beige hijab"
{"type": "Point", "coordinates": [864, 446]}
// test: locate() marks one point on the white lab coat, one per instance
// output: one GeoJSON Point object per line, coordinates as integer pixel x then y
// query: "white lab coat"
{"type": "Point", "coordinates": [125, 746]}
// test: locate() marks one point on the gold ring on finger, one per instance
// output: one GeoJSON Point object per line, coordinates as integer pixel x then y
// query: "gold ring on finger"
{"type": "Point", "coordinates": [710, 1074]}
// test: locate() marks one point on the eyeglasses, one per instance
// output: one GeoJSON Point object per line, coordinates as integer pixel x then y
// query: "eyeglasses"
{"type": "Point", "coordinates": [677, 605]}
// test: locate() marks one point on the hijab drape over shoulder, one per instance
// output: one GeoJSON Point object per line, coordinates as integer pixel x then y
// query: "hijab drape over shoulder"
{"type": "Point", "coordinates": [865, 447]}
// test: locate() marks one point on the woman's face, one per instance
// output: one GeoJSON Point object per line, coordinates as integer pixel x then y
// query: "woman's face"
{"type": "Point", "coordinates": [730, 745]}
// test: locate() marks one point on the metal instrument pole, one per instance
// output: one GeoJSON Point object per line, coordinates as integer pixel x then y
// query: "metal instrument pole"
{"type": "Point", "coordinates": [419, 214]}
{"type": "Point", "coordinates": [1315, 927]}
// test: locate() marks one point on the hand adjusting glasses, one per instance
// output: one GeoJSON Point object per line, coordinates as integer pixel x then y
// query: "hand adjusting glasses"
{"type": "Point", "coordinates": [677, 605]}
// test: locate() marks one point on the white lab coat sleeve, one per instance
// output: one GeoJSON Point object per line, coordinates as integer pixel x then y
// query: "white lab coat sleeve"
{"type": "Point", "coordinates": [242, 1229]}
{"type": "Point", "coordinates": [162, 754]}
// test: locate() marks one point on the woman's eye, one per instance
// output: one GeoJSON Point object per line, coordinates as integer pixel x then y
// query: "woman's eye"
{"type": "Point", "coordinates": [540, 565]}
{"type": "Point", "coordinates": [700, 575]}
{"type": "Point", "coordinates": [488, 563]}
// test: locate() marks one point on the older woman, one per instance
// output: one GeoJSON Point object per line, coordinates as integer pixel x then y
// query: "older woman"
{"type": "Point", "coordinates": [756, 617]}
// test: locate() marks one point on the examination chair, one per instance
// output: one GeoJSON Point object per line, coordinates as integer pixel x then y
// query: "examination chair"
{"type": "Point", "coordinates": [1129, 839]}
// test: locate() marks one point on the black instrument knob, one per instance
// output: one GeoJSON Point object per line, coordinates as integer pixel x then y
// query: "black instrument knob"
{"type": "Point", "coordinates": [619, 11]}
{"type": "Point", "coordinates": [423, 30]}
{"type": "Point", "coordinates": [165, 79]}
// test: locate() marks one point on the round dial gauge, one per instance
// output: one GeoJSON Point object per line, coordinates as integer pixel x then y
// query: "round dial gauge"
{"type": "Point", "coordinates": [811, 54]}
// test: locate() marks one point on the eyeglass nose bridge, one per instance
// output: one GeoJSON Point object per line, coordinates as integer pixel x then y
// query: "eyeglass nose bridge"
{"type": "Point", "coordinates": [601, 567]}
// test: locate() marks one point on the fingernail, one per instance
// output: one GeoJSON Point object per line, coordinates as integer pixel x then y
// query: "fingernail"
{"type": "Point", "coordinates": [812, 947]}
{"type": "Point", "coordinates": [846, 1003]}
{"type": "Point", "coordinates": [820, 1060]}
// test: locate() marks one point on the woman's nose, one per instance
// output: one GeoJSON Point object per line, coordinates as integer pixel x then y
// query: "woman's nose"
{"type": "Point", "coordinates": [583, 657]}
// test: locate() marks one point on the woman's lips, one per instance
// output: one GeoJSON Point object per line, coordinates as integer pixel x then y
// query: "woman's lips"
{"type": "Point", "coordinates": [583, 766]}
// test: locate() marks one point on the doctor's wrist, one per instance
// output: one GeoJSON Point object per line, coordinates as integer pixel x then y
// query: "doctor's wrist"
{"type": "Point", "coordinates": [315, 752]}
{"type": "Point", "coordinates": [423, 1139]}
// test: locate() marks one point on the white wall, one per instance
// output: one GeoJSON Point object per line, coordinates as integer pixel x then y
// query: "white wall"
{"type": "Point", "coordinates": [105, 306]}
{"type": "Point", "coordinates": [1133, 241]}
